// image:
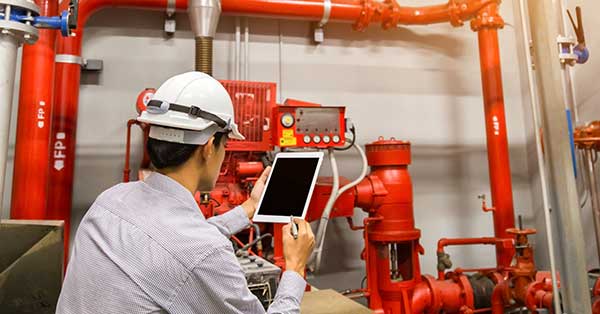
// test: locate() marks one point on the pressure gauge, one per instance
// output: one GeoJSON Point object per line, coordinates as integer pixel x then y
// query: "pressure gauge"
{"type": "Point", "coordinates": [287, 120]}
{"type": "Point", "coordinates": [326, 139]}
{"type": "Point", "coordinates": [336, 139]}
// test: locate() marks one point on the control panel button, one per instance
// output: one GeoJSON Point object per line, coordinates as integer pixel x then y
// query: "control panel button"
{"type": "Point", "coordinates": [307, 139]}
{"type": "Point", "coordinates": [336, 139]}
{"type": "Point", "coordinates": [287, 120]}
{"type": "Point", "coordinates": [326, 139]}
{"type": "Point", "coordinates": [317, 139]}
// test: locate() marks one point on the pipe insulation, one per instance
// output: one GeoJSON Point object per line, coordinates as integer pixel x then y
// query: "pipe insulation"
{"type": "Point", "coordinates": [8, 62]}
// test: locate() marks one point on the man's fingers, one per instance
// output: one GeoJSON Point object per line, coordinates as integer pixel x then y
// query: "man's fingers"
{"type": "Point", "coordinates": [265, 174]}
{"type": "Point", "coordinates": [286, 229]}
{"type": "Point", "coordinates": [303, 226]}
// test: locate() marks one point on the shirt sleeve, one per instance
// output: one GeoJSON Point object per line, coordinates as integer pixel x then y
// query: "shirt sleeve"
{"type": "Point", "coordinates": [231, 222]}
{"type": "Point", "coordinates": [217, 285]}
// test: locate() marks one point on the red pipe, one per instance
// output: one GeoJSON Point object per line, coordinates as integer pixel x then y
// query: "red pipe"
{"type": "Point", "coordinates": [126, 167]}
{"type": "Point", "coordinates": [30, 178]}
{"type": "Point", "coordinates": [362, 12]}
{"type": "Point", "coordinates": [64, 116]}
{"type": "Point", "coordinates": [486, 24]}
{"type": "Point", "coordinates": [442, 296]}
{"type": "Point", "coordinates": [504, 244]}
{"type": "Point", "coordinates": [498, 298]}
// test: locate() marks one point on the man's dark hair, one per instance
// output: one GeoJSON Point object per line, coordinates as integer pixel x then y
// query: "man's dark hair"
{"type": "Point", "coordinates": [165, 154]}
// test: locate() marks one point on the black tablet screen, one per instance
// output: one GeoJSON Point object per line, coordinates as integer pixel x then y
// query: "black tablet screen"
{"type": "Point", "coordinates": [288, 187]}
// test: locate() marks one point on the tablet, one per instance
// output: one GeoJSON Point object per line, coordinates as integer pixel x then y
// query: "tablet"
{"type": "Point", "coordinates": [289, 187]}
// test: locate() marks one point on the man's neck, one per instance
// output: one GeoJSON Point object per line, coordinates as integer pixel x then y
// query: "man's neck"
{"type": "Point", "coordinates": [187, 181]}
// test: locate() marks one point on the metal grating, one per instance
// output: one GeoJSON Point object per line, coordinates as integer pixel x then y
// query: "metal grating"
{"type": "Point", "coordinates": [253, 102]}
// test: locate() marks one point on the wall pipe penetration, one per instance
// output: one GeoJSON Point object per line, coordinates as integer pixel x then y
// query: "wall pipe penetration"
{"type": "Point", "coordinates": [485, 20]}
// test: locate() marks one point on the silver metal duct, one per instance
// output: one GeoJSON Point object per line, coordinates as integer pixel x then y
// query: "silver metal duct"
{"type": "Point", "coordinates": [204, 17]}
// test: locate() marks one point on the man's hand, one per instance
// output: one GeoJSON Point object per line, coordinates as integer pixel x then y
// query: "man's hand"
{"type": "Point", "coordinates": [297, 251]}
{"type": "Point", "coordinates": [250, 204]}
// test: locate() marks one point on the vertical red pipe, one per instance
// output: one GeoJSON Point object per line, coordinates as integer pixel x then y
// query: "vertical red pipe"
{"type": "Point", "coordinates": [30, 178]}
{"type": "Point", "coordinates": [64, 116]}
{"type": "Point", "coordinates": [62, 150]}
{"type": "Point", "coordinates": [497, 143]}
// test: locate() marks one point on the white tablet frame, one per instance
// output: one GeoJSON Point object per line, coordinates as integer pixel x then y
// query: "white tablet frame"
{"type": "Point", "coordinates": [286, 219]}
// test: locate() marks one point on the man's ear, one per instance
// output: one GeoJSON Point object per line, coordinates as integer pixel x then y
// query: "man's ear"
{"type": "Point", "coordinates": [208, 149]}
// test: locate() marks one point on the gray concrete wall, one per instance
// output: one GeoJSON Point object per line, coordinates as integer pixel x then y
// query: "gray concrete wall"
{"type": "Point", "coordinates": [417, 83]}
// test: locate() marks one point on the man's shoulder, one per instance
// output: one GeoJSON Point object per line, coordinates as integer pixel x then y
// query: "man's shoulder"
{"type": "Point", "coordinates": [162, 220]}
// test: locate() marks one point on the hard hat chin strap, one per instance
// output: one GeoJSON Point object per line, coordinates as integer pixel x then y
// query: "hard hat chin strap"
{"type": "Point", "coordinates": [159, 106]}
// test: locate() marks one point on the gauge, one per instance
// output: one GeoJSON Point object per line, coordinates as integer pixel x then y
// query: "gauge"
{"type": "Point", "coordinates": [287, 120]}
{"type": "Point", "coordinates": [326, 139]}
{"type": "Point", "coordinates": [336, 139]}
{"type": "Point", "coordinates": [317, 139]}
{"type": "Point", "coordinates": [307, 139]}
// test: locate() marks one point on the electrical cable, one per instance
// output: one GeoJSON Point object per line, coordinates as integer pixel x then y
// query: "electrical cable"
{"type": "Point", "coordinates": [335, 193]}
{"type": "Point", "coordinates": [353, 131]}
{"type": "Point", "coordinates": [251, 244]}
{"type": "Point", "coordinates": [325, 216]}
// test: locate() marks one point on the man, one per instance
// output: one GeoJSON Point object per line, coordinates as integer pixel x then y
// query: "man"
{"type": "Point", "coordinates": [145, 247]}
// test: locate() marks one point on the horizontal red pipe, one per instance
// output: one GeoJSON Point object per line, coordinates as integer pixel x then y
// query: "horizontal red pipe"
{"type": "Point", "coordinates": [341, 10]}
{"type": "Point", "coordinates": [354, 10]}
{"type": "Point", "coordinates": [465, 241]}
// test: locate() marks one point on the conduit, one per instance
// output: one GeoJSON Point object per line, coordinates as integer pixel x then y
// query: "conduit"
{"type": "Point", "coordinates": [30, 177]}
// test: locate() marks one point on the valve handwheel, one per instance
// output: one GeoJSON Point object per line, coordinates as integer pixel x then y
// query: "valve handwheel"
{"type": "Point", "coordinates": [517, 231]}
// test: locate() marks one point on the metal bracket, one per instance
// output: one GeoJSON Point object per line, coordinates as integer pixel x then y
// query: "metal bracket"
{"type": "Point", "coordinates": [170, 25]}
{"type": "Point", "coordinates": [319, 35]}
{"type": "Point", "coordinates": [92, 65]}
{"type": "Point", "coordinates": [565, 50]}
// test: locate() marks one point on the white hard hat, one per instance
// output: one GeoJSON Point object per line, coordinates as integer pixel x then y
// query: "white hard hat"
{"type": "Point", "coordinates": [189, 108]}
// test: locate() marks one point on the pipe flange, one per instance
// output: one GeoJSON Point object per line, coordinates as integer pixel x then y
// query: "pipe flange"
{"type": "Point", "coordinates": [531, 300]}
{"type": "Point", "coordinates": [21, 4]}
{"type": "Point", "coordinates": [366, 15]}
{"type": "Point", "coordinates": [436, 298]}
{"type": "Point", "coordinates": [391, 15]}
{"type": "Point", "coordinates": [463, 281]}
{"type": "Point", "coordinates": [455, 11]}
{"type": "Point", "coordinates": [22, 32]}
{"type": "Point", "coordinates": [487, 18]}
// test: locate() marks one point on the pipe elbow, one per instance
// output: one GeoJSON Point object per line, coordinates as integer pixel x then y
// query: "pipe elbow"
{"type": "Point", "coordinates": [421, 299]}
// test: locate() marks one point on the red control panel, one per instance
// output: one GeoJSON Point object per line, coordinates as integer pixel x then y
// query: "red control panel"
{"type": "Point", "coordinates": [302, 124]}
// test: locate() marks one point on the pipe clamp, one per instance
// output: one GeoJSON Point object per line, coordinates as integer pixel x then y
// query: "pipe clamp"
{"type": "Point", "coordinates": [66, 58]}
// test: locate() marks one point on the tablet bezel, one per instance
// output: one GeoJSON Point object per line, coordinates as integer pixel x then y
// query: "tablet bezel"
{"type": "Point", "coordinates": [286, 219]}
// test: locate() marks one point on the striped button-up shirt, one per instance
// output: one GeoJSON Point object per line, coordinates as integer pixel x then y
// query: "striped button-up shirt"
{"type": "Point", "coordinates": [144, 247]}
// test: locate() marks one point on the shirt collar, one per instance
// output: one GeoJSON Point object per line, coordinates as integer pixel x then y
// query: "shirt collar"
{"type": "Point", "coordinates": [165, 184]}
